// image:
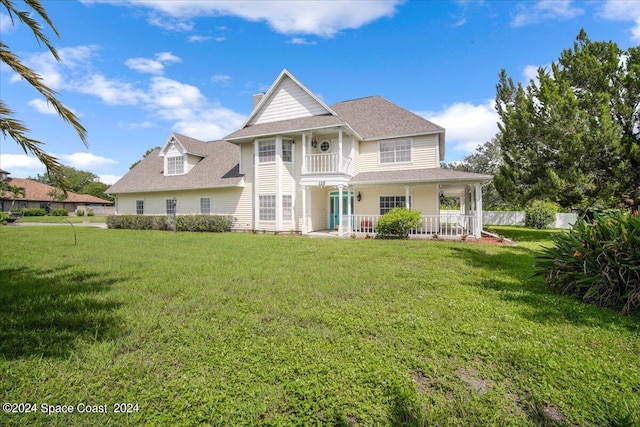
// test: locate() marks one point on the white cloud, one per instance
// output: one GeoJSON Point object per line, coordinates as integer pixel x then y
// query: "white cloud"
{"type": "Point", "coordinates": [467, 125]}
{"type": "Point", "coordinates": [6, 25]}
{"type": "Point", "coordinates": [197, 39]}
{"type": "Point", "coordinates": [623, 11]}
{"type": "Point", "coordinates": [111, 92]}
{"type": "Point", "coordinates": [152, 66]}
{"type": "Point", "coordinates": [87, 161]}
{"type": "Point", "coordinates": [543, 11]}
{"type": "Point", "coordinates": [145, 65]}
{"type": "Point", "coordinates": [11, 162]}
{"type": "Point", "coordinates": [321, 18]}
{"type": "Point", "coordinates": [42, 106]}
{"type": "Point", "coordinates": [222, 79]}
{"type": "Point", "coordinates": [301, 40]}
{"type": "Point", "coordinates": [109, 179]}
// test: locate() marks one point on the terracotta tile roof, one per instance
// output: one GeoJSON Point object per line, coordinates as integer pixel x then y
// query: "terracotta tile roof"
{"type": "Point", "coordinates": [37, 192]}
{"type": "Point", "coordinates": [375, 117]}
{"type": "Point", "coordinates": [218, 168]}
{"type": "Point", "coordinates": [418, 175]}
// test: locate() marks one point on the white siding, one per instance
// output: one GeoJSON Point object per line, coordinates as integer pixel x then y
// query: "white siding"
{"type": "Point", "coordinates": [424, 198]}
{"type": "Point", "coordinates": [288, 101]}
{"type": "Point", "coordinates": [223, 201]}
{"type": "Point", "coordinates": [267, 178]}
{"type": "Point", "coordinates": [424, 154]}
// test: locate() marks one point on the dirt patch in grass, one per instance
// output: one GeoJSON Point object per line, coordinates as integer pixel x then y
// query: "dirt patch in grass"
{"type": "Point", "coordinates": [471, 377]}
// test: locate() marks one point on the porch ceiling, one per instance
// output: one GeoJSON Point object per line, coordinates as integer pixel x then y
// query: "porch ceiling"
{"type": "Point", "coordinates": [415, 176]}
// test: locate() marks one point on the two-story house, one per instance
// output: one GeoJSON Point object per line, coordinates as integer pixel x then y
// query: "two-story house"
{"type": "Point", "coordinates": [297, 164]}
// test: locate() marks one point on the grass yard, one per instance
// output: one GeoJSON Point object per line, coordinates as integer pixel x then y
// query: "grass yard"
{"type": "Point", "coordinates": [242, 329]}
{"type": "Point", "coordinates": [62, 219]}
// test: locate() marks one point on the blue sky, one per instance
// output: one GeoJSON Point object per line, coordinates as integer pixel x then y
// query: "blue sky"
{"type": "Point", "coordinates": [135, 71]}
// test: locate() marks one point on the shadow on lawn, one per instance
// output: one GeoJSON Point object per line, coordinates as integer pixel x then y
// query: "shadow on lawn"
{"type": "Point", "coordinates": [543, 304]}
{"type": "Point", "coordinates": [46, 312]}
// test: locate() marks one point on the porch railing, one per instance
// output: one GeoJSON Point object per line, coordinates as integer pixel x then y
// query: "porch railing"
{"type": "Point", "coordinates": [442, 225]}
{"type": "Point", "coordinates": [327, 163]}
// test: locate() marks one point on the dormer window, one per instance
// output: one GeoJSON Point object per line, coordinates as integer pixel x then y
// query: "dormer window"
{"type": "Point", "coordinates": [175, 165]}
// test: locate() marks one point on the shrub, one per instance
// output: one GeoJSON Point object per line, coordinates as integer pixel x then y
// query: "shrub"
{"type": "Point", "coordinates": [79, 212]}
{"type": "Point", "coordinates": [34, 212]}
{"type": "Point", "coordinates": [59, 212]}
{"type": "Point", "coordinates": [397, 223]}
{"type": "Point", "coordinates": [4, 217]}
{"type": "Point", "coordinates": [598, 261]}
{"type": "Point", "coordinates": [540, 214]}
{"type": "Point", "coordinates": [90, 212]}
{"type": "Point", "coordinates": [210, 223]}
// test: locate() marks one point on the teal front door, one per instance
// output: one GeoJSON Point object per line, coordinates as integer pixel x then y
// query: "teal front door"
{"type": "Point", "coordinates": [334, 206]}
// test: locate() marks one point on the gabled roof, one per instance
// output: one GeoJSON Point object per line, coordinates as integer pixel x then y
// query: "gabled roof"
{"type": "Point", "coordinates": [275, 89]}
{"type": "Point", "coordinates": [218, 168]}
{"type": "Point", "coordinates": [190, 145]}
{"type": "Point", "coordinates": [370, 118]}
{"type": "Point", "coordinates": [418, 175]}
{"type": "Point", "coordinates": [38, 192]}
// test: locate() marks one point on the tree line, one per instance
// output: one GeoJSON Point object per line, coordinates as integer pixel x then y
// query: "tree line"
{"type": "Point", "coordinates": [571, 136]}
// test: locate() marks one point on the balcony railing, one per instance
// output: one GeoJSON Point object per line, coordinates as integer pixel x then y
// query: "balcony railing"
{"type": "Point", "coordinates": [327, 163]}
{"type": "Point", "coordinates": [456, 225]}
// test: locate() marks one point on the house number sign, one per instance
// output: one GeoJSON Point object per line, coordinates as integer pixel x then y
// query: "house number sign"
{"type": "Point", "coordinates": [321, 183]}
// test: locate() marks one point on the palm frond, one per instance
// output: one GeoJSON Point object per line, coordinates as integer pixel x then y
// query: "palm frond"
{"type": "Point", "coordinates": [35, 80]}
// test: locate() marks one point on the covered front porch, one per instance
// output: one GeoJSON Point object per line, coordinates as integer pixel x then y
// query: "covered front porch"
{"type": "Point", "coordinates": [356, 206]}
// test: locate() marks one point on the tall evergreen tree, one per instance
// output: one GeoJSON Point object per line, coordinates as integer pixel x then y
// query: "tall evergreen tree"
{"type": "Point", "coordinates": [573, 136]}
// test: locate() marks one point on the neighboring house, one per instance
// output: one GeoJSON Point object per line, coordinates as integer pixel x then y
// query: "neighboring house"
{"type": "Point", "coordinates": [297, 164]}
{"type": "Point", "coordinates": [39, 195]}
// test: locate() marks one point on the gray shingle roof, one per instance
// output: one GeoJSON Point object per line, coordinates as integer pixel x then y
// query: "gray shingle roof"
{"type": "Point", "coordinates": [285, 126]}
{"type": "Point", "coordinates": [417, 175]}
{"type": "Point", "coordinates": [375, 117]}
{"type": "Point", "coordinates": [218, 168]}
{"type": "Point", "coordinates": [370, 118]}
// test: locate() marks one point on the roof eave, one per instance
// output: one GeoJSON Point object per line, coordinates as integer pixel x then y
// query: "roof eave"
{"type": "Point", "coordinates": [240, 184]}
{"type": "Point", "coordinates": [242, 139]}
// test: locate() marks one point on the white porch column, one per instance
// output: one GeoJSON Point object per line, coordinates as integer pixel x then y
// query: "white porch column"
{"type": "Point", "coordinates": [406, 197]}
{"type": "Point", "coordinates": [304, 229]}
{"type": "Point", "coordinates": [256, 195]}
{"type": "Point", "coordinates": [304, 152]}
{"type": "Point", "coordinates": [349, 230]}
{"type": "Point", "coordinates": [478, 191]}
{"type": "Point", "coordinates": [340, 209]}
{"type": "Point", "coordinates": [279, 183]}
{"type": "Point", "coordinates": [340, 150]}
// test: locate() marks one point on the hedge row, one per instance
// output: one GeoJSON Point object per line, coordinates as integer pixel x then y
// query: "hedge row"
{"type": "Point", "coordinates": [208, 223]}
{"type": "Point", "coordinates": [598, 261]}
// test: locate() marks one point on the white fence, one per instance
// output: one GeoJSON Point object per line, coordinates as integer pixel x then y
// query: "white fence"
{"type": "Point", "coordinates": [450, 225]}
{"type": "Point", "coordinates": [563, 220]}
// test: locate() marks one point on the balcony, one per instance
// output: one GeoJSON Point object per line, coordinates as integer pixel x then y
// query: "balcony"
{"type": "Point", "coordinates": [327, 163]}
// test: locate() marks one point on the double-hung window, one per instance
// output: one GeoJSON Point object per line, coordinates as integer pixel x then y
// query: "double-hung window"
{"type": "Point", "coordinates": [171, 206]}
{"type": "Point", "coordinates": [205, 205]}
{"type": "Point", "coordinates": [175, 165]}
{"type": "Point", "coordinates": [267, 207]}
{"type": "Point", "coordinates": [139, 207]}
{"type": "Point", "coordinates": [267, 150]}
{"type": "Point", "coordinates": [398, 151]}
{"type": "Point", "coordinates": [287, 207]}
{"type": "Point", "coordinates": [389, 202]}
{"type": "Point", "coordinates": [286, 150]}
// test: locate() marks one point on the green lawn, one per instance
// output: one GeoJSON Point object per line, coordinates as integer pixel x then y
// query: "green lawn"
{"type": "Point", "coordinates": [242, 329]}
{"type": "Point", "coordinates": [62, 219]}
